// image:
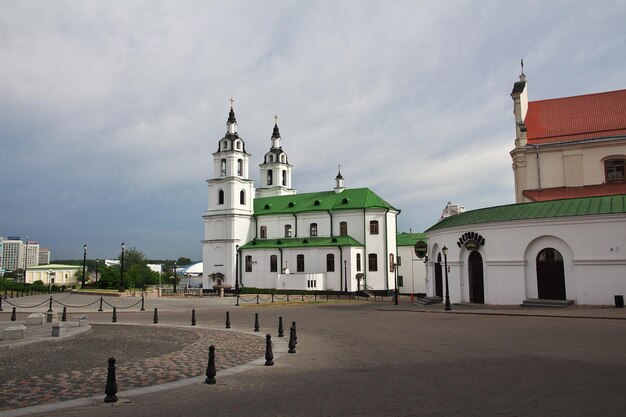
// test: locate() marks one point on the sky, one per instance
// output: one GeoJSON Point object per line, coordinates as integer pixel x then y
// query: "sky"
{"type": "Point", "coordinates": [110, 110]}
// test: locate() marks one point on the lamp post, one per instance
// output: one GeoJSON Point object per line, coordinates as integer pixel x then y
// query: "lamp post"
{"type": "Point", "coordinates": [395, 279]}
{"type": "Point", "coordinates": [237, 269]}
{"type": "Point", "coordinates": [25, 261]}
{"type": "Point", "coordinates": [122, 271]}
{"type": "Point", "coordinates": [97, 262]}
{"type": "Point", "coordinates": [82, 285]}
{"type": "Point", "coordinates": [49, 280]}
{"type": "Point", "coordinates": [345, 276]}
{"type": "Point", "coordinates": [445, 265]}
{"type": "Point", "coordinates": [174, 277]}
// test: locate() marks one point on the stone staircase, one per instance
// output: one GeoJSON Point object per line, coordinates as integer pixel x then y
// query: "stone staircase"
{"type": "Point", "coordinates": [426, 301]}
{"type": "Point", "coordinates": [542, 303]}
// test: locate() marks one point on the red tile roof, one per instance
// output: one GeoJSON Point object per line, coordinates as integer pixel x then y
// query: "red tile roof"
{"type": "Point", "coordinates": [559, 193]}
{"type": "Point", "coordinates": [567, 119]}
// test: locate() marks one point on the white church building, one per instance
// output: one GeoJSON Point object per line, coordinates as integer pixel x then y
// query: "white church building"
{"type": "Point", "coordinates": [340, 239]}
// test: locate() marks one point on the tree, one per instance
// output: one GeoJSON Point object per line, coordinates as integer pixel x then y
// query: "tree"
{"type": "Point", "coordinates": [183, 261]}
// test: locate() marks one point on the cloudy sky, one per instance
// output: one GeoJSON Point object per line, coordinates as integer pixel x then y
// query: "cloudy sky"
{"type": "Point", "coordinates": [110, 110]}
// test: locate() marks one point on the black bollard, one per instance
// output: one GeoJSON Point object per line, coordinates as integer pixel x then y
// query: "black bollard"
{"type": "Point", "coordinates": [281, 331]}
{"type": "Point", "coordinates": [142, 300]}
{"type": "Point", "coordinates": [64, 315]}
{"type": "Point", "coordinates": [114, 315]}
{"type": "Point", "coordinates": [100, 309]}
{"type": "Point", "coordinates": [111, 388]}
{"type": "Point", "coordinates": [227, 320]}
{"type": "Point", "coordinates": [13, 315]}
{"type": "Point", "coordinates": [50, 308]}
{"type": "Point", "coordinates": [156, 316]}
{"type": "Point", "coordinates": [1, 303]}
{"type": "Point", "coordinates": [295, 332]}
{"type": "Point", "coordinates": [210, 369]}
{"type": "Point", "coordinates": [269, 355]}
{"type": "Point", "coordinates": [256, 322]}
{"type": "Point", "coordinates": [193, 317]}
{"type": "Point", "coordinates": [292, 342]}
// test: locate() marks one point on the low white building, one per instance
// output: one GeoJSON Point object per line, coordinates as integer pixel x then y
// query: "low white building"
{"type": "Point", "coordinates": [411, 268]}
{"type": "Point", "coordinates": [571, 249]}
{"type": "Point", "coordinates": [53, 274]}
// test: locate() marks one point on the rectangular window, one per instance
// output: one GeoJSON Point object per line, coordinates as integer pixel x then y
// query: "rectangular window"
{"type": "Point", "coordinates": [239, 166]}
{"type": "Point", "coordinates": [330, 263]}
{"type": "Point", "coordinates": [287, 230]}
{"type": "Point", "coordinates": [358, 262]}
{"type": "Point", "coordinates": [263, 233]}
{"type": "Point", "coordinates": [372, 262]}
{"type": "Point", "coordinates": [614, 169]}
{"type": "Point", "coordinates": [300, 263]}
{"type": "Point", "coordinates": [223, 167]}
{"type": "Point", "coordinates": [313, 229]}
{"type": "Point", "coordinates": [392, 266]}
{"type": "Point", "coordinates": [400, 281]}
{"type": "Point", "coordinates": [374, 227]}
{"type": "Point", "coordinates": [343, 229]}
{"type": "Point", "coordinates": [273, 263]}
{"type": "Point", "coordinates": [248, 263]}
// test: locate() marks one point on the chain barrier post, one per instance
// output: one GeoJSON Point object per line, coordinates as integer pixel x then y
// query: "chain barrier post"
{"type": "Point", "coordinates": [227, 320]}
{"type": "Point", "coordinates": [295, 332]}
{"type": "Point", "coordinates": [210, 369]}
{"type": "Point", "coordinates": [142, 300]}
{"type": "Point", "coordinates": [50, 307]}
{"type": "Point", "coordinates": [281, 330]}
{"type": "Point", "coordinates": [114, 320]}
{"type": "Point", "coordinates": [269, 355]}
{"type": "Point", "coordinates": [237, 305]}
{"type": "Point", "coordinates": [193, 317]}
{"type": "Point", "coordinates": [272, 297]}
{"type": "Point", "coordinates": [257, 298]}
{"type": "Point", "coordinates": [256, 322]}
{"type": "Point", "coordinates": [100, 309]}
{"type": "Point", "coordinates": [292, 343]}
{"type": "Point", "coordinates": [64, 316]}
{"type": "Point", "coordinates": [13, 315]}
{"type": "Point", "coordinates": [156, 317]}
{"type": "Point", "coordinates": [111, 387]}
{"type": "Point", "coordinates": [1, 303]}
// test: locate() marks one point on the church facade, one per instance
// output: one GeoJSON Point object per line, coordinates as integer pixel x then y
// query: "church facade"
{"type": "Point", "coordinates": [341, 239]}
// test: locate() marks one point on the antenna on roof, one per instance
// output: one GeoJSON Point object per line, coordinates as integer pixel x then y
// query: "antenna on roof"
{"type": "Point", "coordinates": [522, 64]}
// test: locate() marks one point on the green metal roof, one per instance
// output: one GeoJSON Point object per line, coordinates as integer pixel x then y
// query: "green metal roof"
{"type": "Point", "coordinates": [348, 199]}
{"type": "Point", "coordinates": [53, 267]}
{"type": "Point", "coordinates": [301, 242]}
{"type": "Point", "coordinates": [410, 239]}
{"type": "Point", "coordinates": [615, 204]}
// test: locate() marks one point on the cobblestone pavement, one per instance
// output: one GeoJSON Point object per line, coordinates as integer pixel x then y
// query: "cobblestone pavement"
{"type": "Point", "coordinates": [61, 370]}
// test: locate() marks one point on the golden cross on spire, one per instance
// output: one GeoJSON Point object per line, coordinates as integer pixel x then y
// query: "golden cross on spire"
{"type": "Point", "coordinates": [276, 118]}
{"type": "Point", "coordinates": [232, 101]}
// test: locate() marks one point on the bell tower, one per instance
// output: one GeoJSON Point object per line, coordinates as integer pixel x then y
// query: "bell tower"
{"type": "Point", "coordinates": [228, 218]}
{"type": "Point", "coordinates": [275, 169]}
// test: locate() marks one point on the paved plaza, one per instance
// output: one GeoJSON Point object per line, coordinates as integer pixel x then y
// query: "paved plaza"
{"type": "Point", "coordinates": [353, 358]}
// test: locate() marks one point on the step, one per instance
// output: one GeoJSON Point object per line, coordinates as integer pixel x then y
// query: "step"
{"type": "Point", "coordinates": [536, 302]}
{"type": "Point", "coordinates": [426, 301]}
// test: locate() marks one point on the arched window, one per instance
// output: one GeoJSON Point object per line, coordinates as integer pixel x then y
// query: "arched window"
{"type": "Point", "coordinates": [238, 145]}
{"type": "Point", "coordinates": [330, 262]}
{"type": "Point", "coordinates": [263, 232]}
{"type": "Point", "coordinates": [224, 145]}
{"type": "Point", "coordinates": [269, 177]}
{"type": "Point", "coordinates": [282, 158]}
{"type": "Point", "coordinates": [614, 169]}
{"type": "Point", "coordinates": [271, 158]}
{"type": "Point", "coordinates": [358, 262]}
{"type": "Point", "coordinates": [300, 263]}
{"type": "Point", "coordinates": [248, 263]}
{"type": "Point", "coordinates": [372, 262]}
{"type": "Point", "coordinates": [343, 229]}
{"type": "Point", "coordinates": [239, 166]}
{"type": "Point", "coordinates": [242, 197]}
{"type": "Point", "coordinates": [273, 263]}
{"type": "Point", "coordinates": [220, 197]}
{"type": "Point", "coordinates": [223, 167]}
{"type": "Point", "coordinates": [284, 177]}
{"type": "Point", "coordinates": [313, 229]}
{"type": "Point", "coordinates": [374, 227]}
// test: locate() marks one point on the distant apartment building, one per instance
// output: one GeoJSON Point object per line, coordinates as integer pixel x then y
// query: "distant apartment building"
{"type": "Point", "coordinates": [44, 256]}
{"type": "Point", "coordinates": [12, 253]}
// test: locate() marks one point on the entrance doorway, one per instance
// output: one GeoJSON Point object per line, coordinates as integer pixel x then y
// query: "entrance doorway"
{"type": "Point", "coordinates": [550, 275]}
{"type": "Point", "coordinates": [475, 274]}
{"type": "Point", "coordinates": [438, 278]}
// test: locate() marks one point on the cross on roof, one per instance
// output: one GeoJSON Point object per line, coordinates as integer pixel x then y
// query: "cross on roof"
{"type": "Point", "coordinates": [232, 101]}
{"type": "Point", "coordinates": [276, 118]}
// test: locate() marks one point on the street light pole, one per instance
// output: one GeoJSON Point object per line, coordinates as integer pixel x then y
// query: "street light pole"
{"type": "Point", "coordinates": [395, 278]}
{"type": "Point", "coordinates": [97, 262]}
{"type": "Point", "coordinates": [122, 286]}
{"type": "Point", "coordinates": [345, 275]}
{"type": "Point", "coordinates": [25, 261]}
{"type": "Point", "coordinates": [82, 285]}
{"type": "Point", "coordinates": [237, 269]}
{"type": "Point", "coordinates": [445, 265]}
{"type": "Point", "coordinates": [175, 277]}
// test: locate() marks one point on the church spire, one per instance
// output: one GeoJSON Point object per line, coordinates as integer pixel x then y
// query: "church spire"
{"type": "Point", "coordinates": [232, 121]}
{"type": "Point", "coordinates": [276, 134]}
{"type": "Point", "coordinates": [339, 181]}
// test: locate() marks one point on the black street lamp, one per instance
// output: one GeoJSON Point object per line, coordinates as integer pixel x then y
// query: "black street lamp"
{"type": "Point", "coordinates": [82, 285]}
{"type": "Point", "coordinates": [174, 277]}
{"type": "Point", "coordinates": [122, 287]}
{"type": "Point", "coordinates": [25, 261]}
{"type": "Point", "coordinates": [445, 266]}
{"type": "Point", "coordinates": [395, 280]}
{"type": "Point", "coordinates": [97, 262]}
{"type": "Point", "coordinates": [237, 269]}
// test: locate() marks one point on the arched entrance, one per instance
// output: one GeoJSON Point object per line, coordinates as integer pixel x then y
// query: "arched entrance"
{"type": "Point", "coordinates": [550, 275]}
{"type": "Point", "coordinates": [475, 275]}
{"type": "Point", "coordinates": [438, 279]}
